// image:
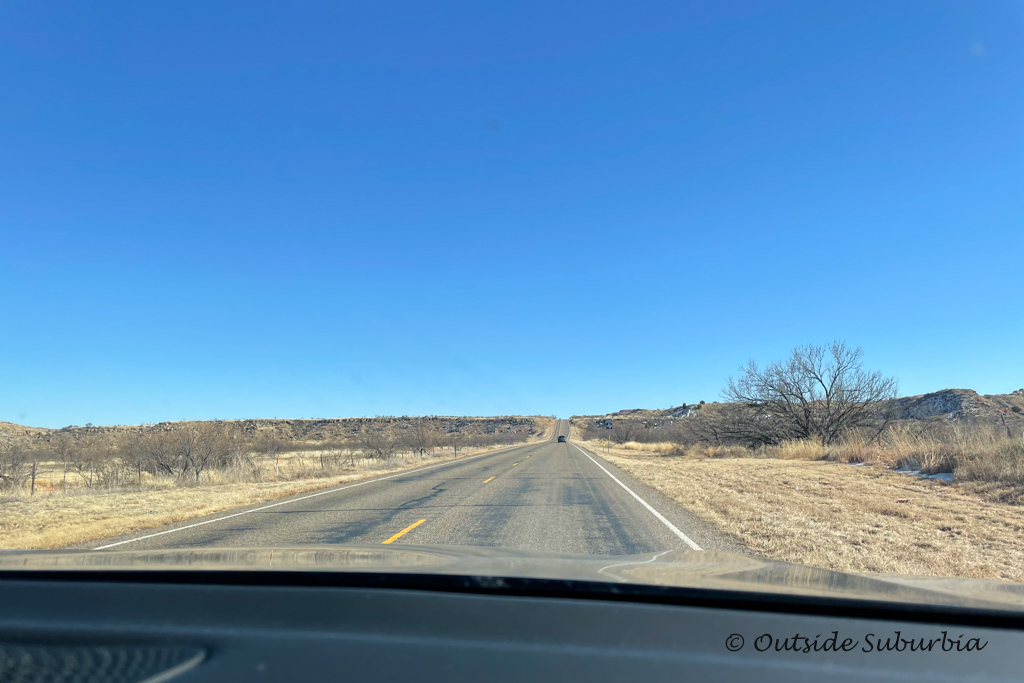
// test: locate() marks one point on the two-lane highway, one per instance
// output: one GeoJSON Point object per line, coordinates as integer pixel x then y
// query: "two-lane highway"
{"type": "Point", "coordinates": [547, 496]}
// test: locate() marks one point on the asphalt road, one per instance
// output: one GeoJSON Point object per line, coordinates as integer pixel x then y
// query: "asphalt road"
{"type": "Point", "coordinates": [541, 497]}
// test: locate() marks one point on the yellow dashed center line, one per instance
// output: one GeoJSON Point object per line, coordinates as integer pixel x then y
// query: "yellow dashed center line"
{"type": "Point", "coordinates": [487, 480]}
{"type": "Point", "coordinates": [403, 532]}
{"type": "Point", "coordinates": [514, 464]}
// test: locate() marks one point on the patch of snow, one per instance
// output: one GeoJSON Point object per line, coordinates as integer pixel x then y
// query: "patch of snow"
{"type": "Point", "coordinates": [943, 476]}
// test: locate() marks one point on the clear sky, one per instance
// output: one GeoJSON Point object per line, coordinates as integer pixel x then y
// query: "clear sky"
{"type": "Point", "coordinates": [247, 209]}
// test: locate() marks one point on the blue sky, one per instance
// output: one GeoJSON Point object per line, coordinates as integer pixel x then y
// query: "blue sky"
{"type": "Point", "coordinates": [226, 210]}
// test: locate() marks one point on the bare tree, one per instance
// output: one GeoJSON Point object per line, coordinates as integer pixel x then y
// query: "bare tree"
{"type": "Point", "coordinates": [207, 448]}
{"type": "Point", "coordinates": [423, 438]}
{"type": "Point", "coordinates": [64, 450]}
{"type": "Point", "coordinates": [268, 445]}
{"type": "Point", "coordinates": [15, 464]}
{"type": "Point", "coordinates": [454, 438]}
{"type": "Point", "coordinates": [200, 447]}
{"type": "Point", "coordinates": [83, 462]}
{"type": "Point", "coordinates": [818, 392]}
{"type": "Point", "coordinates": [162, 453]}
{"type": "Point", "coordinates": [136, 453]}
{"type": "Point", "coordinates": [377, 439]}
{"type": "Point", "coordinates": [109, 453]}
{"type": "Point", "coordinates": [185, 452]}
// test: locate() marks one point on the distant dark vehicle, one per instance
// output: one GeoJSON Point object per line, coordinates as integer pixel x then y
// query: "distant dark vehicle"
{"type": "Point", "coordinates": [561, 439]}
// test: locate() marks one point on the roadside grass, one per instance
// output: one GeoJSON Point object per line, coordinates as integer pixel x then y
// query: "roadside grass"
{"type": "Point", "coordinates": [791, 504]}
{"type": "Point", "coordinates": [978, 454]}
{"type": "Point", "coordinates": [259, 469]}
{"type": "Point", "coordinates": [52, 518]}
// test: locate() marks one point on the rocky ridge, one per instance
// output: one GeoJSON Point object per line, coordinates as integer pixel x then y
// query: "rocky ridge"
{"type": "Point", "coordinates": [304, 430]}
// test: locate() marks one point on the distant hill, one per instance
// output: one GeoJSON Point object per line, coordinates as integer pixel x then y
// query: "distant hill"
{"type": "Point", "coordinates": [307, 430]}
{"type": "Point", "coordinates": [9, 430]}
{"type": "Point", "coordinates": [964, 405]}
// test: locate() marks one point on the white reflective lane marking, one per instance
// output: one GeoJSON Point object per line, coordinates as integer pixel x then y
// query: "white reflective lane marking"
{"type": "Point", "coordinates": [686, 539]}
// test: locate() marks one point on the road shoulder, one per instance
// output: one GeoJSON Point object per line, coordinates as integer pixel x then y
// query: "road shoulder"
{"type": "Point", "coordinates": [845, 517]}
{"type": "Point", "coordinates": [702, 532]}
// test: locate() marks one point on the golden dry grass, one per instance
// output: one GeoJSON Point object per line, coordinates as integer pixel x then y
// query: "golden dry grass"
{"type": "Point", "coordinates": [660, 448]}
{"type": "Point", "coordinates": [56, 520]}
{"type": "Point", "coordinates": [983, 454]}
{"type": "Point", "coordinates": [839, 516]}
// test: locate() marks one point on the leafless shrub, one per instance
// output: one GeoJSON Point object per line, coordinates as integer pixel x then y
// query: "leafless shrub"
{"type": "Point", "coordinates": [268, 445]}
{"type": "Point", "coordinates": [187, 451]}
{"type": "Point", "coordinates": [378, 440]}
{"type": "Point", "coordinates": [77, 462]}
{"type": "Point", "coordinates": [65, 452]}
{"type": "Point", "coordinates": [424, 438]}
{"type": "Point", "coordinates": [15, 464]}
{"type": "Point", "coordinates": [454, 438]}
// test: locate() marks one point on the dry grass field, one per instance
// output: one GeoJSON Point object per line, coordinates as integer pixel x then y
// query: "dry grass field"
{"type": "Point", "coordinates": [838, 515]}
{"type": "Point", "coordinates": [52, 519]}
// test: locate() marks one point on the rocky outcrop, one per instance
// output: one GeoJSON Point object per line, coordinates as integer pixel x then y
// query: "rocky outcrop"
{"type": "Point", "coordinates": [963, 405]}
{"type": "Point", "coordinates": [951, 403]}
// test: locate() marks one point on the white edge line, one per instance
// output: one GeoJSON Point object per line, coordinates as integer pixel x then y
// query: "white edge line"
{"type": "Point", "coordinates": [312, 495]}
{"type": "Point", "coordinates": [686, 539]}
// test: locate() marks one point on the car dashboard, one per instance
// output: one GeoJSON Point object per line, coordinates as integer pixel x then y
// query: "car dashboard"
{"type": "Point", "coordinates": [193, 626]}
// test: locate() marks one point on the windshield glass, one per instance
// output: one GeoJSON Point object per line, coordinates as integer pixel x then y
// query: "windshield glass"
{"type": "Point", "coordinates": [663, 293]}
